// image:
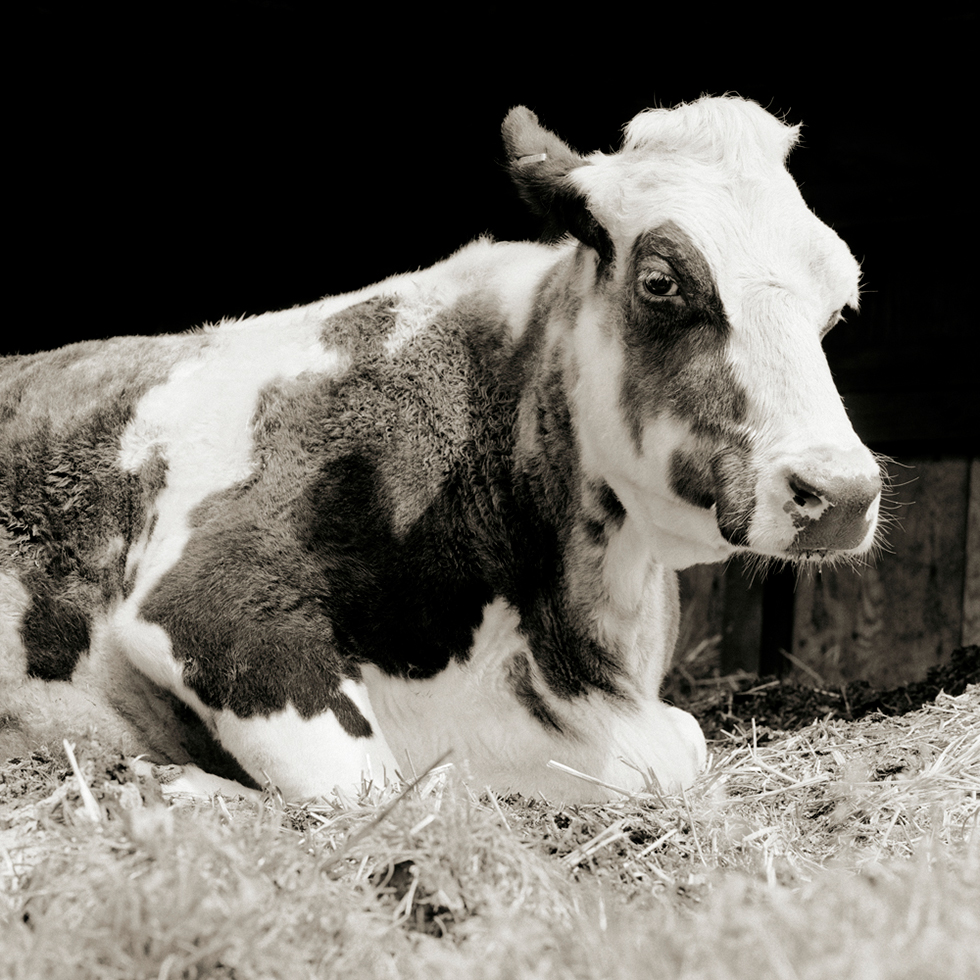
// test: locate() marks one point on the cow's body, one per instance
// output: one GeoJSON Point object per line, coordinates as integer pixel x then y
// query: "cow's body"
{"type": "Point", "coordinates": [442, 513]}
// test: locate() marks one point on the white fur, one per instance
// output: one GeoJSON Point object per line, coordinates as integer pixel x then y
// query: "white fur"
{"type": "Point", "coordinates": [469, 709]}
{"type": "Point", "coordinates": [308, 756]}
{"type": "Point", "coordinates": [198, 420]}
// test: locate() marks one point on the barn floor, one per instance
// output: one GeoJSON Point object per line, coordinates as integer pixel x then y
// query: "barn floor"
{"type": "Point", "coordinates": [722, 703]}
{"type": "Point", "coordinates": [833, 835]}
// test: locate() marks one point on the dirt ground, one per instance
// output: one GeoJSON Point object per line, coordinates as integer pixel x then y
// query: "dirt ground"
{"type": "Point", "coordinates": [728, 703]}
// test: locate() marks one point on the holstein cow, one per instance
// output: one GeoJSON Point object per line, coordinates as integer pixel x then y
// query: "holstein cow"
{"type": "Point", "coordinates": [444, 512]}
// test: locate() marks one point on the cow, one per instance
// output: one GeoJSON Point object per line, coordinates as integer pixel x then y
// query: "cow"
{"type": "Point", "coordinates": [444, 513]}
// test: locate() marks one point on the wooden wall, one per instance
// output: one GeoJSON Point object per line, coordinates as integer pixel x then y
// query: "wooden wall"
{"type": "Point", "coordinates": [886, 623]}
{"type": "Point", "coordinates": [891, 622]}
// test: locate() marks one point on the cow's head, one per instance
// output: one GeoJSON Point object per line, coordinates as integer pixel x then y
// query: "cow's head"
{"type": "Point", "coordinates": [702, 395]}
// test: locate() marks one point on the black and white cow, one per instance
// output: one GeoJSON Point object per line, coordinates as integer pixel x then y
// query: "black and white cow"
{"type": "Point", "coordinates": [444, 512]}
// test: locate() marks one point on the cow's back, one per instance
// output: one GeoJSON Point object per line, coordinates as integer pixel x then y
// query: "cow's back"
{"type": "Point", "coordinates": [68, 509]}
{"type": "Point", "coordinates": [68, 514]}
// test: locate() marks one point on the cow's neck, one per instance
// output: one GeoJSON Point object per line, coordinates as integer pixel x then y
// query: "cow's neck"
{"type": "Point", "coordinates": [599, 610]}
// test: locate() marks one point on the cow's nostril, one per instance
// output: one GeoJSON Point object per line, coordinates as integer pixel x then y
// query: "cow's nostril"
{"type": "Point", "coordinates": [838, 513]}
{"type": "Point", "coordinates": [804, 495]}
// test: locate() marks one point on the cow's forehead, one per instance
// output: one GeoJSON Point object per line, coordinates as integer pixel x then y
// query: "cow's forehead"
{"type": "Point", "coordinates": [720, 145]}
{"type": "Point", "coordinates": [755, 239]}
{"type": "Point", "coordinates": [716, 169]}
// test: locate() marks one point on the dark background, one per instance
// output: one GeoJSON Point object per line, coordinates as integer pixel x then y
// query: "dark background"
{"type": "Point", "coordinates": [174, 164]}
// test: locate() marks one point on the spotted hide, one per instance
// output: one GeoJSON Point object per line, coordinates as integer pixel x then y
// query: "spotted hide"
{"type": "Point", "coordinates": [445, 512]}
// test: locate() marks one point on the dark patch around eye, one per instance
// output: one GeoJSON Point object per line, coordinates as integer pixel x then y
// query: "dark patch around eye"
{"type": "Point", "coordinates": [675, 352]}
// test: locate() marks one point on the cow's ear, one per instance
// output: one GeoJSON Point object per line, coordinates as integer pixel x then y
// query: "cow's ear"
{"type": "Point", "coordinates": [539, 164]}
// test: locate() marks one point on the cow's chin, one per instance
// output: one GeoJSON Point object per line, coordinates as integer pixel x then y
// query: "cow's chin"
{"type": "Point", "coordinates": [696, 536]}
{"type": "Point", "coordinates": [677, 551]}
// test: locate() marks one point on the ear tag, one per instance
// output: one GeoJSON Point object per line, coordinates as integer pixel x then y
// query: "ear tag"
{"type": "Point", "coordinates": [532, 158]}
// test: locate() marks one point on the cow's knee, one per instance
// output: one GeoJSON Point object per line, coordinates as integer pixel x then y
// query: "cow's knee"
{"type": "Point", "coordinates": [667, 745]}
{"type": "Point", "coordinates": [688, 752]}
{"type": "Point", "coordinates": [305, 757]}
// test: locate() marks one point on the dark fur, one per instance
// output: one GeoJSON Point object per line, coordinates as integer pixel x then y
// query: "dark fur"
{"type": "Point", "coordinates": [307, 564]}
{"type": "Point", "coordinates": [63, 502]}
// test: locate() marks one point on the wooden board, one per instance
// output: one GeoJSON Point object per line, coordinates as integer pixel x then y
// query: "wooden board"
{"type": "Point", "coordinates": [702, 603]}
{"type": "Point", "coordinates": [889, 623]}
{"type": "Point", "coordinates": [971, 584]}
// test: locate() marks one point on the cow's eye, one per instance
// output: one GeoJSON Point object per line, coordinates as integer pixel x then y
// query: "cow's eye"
{"type": "Point", "coordinates": [660, 285]}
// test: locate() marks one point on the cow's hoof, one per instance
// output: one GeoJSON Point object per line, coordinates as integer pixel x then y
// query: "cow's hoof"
{"type": "Point", "coordinates": [192, 781]}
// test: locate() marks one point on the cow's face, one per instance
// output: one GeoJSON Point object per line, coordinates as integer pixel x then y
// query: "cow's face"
{"type": "Point", "coordinates": [703, 396]}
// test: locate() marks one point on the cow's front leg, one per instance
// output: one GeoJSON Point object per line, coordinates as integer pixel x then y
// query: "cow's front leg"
{"type": "Point", "coordinates": [301, 734]}
{"type": "Point", "coordinates": [637, 616]}
{"type": "Point", "coordinates": [658, 741]}
{"type": "Point", "coordinates": [305, 757]}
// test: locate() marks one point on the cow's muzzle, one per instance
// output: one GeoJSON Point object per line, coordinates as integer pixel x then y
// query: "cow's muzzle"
{"type": "Point", "coordinates": [833, 512]}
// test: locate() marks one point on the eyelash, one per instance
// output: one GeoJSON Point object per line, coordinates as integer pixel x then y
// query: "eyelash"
{"type": "Point", "coordinates": [673, 288]}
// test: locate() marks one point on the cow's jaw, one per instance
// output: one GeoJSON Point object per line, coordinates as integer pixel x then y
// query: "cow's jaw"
{"type": "Point", "coordinates": [681, 535]}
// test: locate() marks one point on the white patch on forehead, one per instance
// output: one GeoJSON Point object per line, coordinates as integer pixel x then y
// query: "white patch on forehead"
{"type": "Point", "coordinates": [775, 253]}
{"type": "Point", "coordinates": [734, 134]}
{"type": "Point", "coordinates": [684, 159]}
